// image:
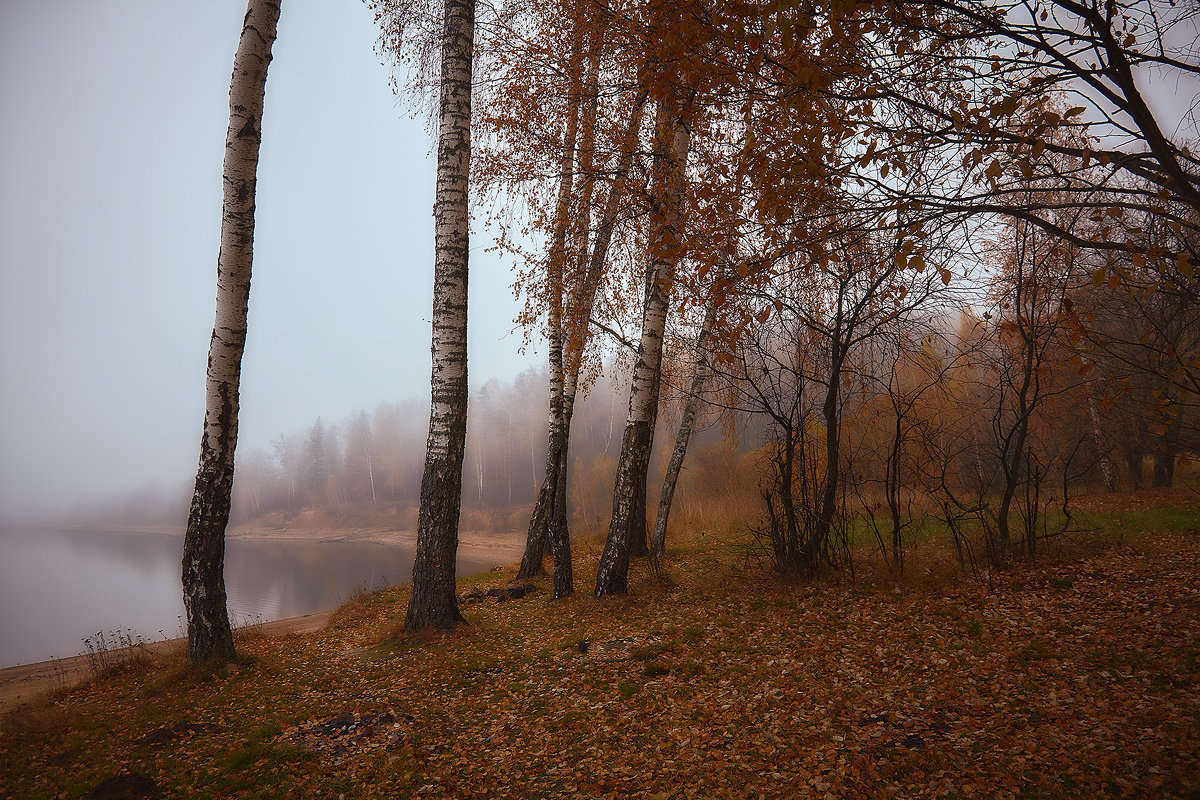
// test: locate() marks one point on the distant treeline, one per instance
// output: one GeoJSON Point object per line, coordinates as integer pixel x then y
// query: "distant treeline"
{"type": "Point", "coordinates": [365, 470]}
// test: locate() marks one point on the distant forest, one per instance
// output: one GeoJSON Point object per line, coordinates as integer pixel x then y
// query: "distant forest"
{"type": "Point", "coordinates": [926, 419]}
{"type": "Point", "coordinates": [365, 470]}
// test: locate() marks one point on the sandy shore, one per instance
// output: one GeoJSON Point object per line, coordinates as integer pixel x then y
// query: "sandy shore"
{"type": "Point", "coordinates": [21, 683]}
{"type": "Point", "coordinates": [502, 548]}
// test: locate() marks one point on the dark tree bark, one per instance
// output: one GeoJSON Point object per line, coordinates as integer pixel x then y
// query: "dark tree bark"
{"type": "Point", "coordinates": [434, 603]}
{"type": "Point", "coordinates": [209, 634]}
{"type": "Point", "coordinates": [535, 539]}
{"type": "Point", "coordinates": [558, 533]}
{"type": "Point", "coordinates": [1133, 460]}
{"type": "Point", "coordinates": [1164, 456]}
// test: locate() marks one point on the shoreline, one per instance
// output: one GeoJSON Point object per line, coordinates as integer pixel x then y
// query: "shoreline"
{"type": "Point", "coordinates": [24, 682]}
{"type": "Point", "coordinates": [472, 545]}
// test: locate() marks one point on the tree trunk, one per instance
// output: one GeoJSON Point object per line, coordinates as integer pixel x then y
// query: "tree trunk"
{"type": "Point", "coordinates": [535, 539]}
{"type": "Point", "coordinates": [1164, 456]}
{"type": "Point", "coordinates": [547, 512]}
{"type": "Point", "coordinates": [1106, 468]}
{"type": "Point", "coordinates": [543, 510]}
{"type": "Point", "coordinates": [209, 634]}
{"type": "Point", "coordinates": [1164, 468]}
{"type": "Point", "coordinates": [1133, 460]}
{"type": "Point", "coordinates": [831, 413]}
{"type": "Point", "coordinates": [629, 490]}
{"type": "Point", "coordinates": [558, 533]}
{"type": "Point", "coordinates": [434, 603]}
{"type": "Point", "coordinates": [658, 543]}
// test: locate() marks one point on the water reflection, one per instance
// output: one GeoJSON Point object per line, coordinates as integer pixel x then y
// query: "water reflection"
{"type": "Point", "coordinates": [57, 588]}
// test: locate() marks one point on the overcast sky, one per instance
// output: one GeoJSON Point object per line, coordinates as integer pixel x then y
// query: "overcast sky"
{"type": "Point", "coordinates": [112, 131]}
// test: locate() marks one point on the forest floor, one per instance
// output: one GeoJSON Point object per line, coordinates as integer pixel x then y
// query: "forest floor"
{"type": "Point", "coordinates": [1075, 676]}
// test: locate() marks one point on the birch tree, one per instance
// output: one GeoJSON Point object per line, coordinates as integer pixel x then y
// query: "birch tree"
{"type": "Point", "coordinates": [556, 160]}
{"type": "Point", "coordinates": [209, 634]}
{"type": "Point", "coordinates": [672, 141]}
{"type": "Point", "coordinates": [434, 603]}
{"type": "Point", "coordinates": [544, 516]}
{"type": "Point", "coordinates": [683, 435]}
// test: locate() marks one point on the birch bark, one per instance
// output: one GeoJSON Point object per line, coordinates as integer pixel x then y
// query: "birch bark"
{"type": "Point", "coordinates": [1106, 469]}
{"type": "Point", "coordinates": [672, 141]}
{"type": "Point", "coordinates": [544, 510]}
{"type": "Point", "coordinates": [434, 603]}
{"type": "Point", "coordinates": [203, 567]}
{"type": "Point", "coordinates": [658, 542]}
{"type": "Point", "coordinates": [549, 520]}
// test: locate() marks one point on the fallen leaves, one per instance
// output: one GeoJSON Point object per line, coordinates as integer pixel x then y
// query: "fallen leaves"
{"type": "Point", "coordinates": [1078, 679]}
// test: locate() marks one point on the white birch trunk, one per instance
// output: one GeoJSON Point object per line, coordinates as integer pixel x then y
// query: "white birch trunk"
{"type": "Point", "coordinates": [1106, 469]}
{"type": "Point", "coordinates": [629, 490]}
{"type": "Point", "coordinates": [658, 542]}
{"type": "Point", "coordinates": [434, 603]}
{"type": "Point", "coordinates": [209, 635]}
{"type": "Point", "coordinates": [543, 510]}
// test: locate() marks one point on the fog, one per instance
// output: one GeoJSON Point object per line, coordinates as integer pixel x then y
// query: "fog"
{"type": "Point", "coordinates": [112, 127]}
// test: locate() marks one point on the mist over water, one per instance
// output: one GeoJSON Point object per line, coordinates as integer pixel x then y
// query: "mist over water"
{"type": "Point", "coordinates": [57, 588]}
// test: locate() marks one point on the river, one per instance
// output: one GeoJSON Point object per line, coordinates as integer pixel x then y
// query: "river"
{"type": "Point", "coordinates": [58, 588]}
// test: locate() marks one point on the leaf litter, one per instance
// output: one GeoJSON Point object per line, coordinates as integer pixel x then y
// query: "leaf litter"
{"type": "Point", "coordinates": [1078, 679]}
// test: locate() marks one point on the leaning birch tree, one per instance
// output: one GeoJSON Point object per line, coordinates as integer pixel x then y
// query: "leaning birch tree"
{"type": "Point", "coordinates": [209, 634]}
{"type": "Point", "coordinates": [672, 141]}
{"type": "Point", "coordinates": [543, 518]}
{"type": "Point", "coordinates": [683, 435]}
{"type": "Point", "coordinates": [434, 603]}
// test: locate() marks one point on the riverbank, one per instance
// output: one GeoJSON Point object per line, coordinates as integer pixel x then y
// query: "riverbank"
{"type": "Point", "coordinates": [26, 682]}
{"type": "Point", "coordinates": [1074, 676]}
{"type": "Point", "coordinates": [23, 682]}
{"type": "Point", "coordinates": [503, 548]}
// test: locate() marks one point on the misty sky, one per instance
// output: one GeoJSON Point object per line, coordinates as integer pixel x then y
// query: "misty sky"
{"type": "Point", "coordinates": [112, 130]}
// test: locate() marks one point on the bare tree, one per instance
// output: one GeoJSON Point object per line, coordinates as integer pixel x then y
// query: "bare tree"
{"type": "Point", "coordinates": [209, 634]}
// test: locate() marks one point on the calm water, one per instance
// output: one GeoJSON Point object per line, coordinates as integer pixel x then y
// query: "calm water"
{"type": "Point", "coordinates": [57, 588]}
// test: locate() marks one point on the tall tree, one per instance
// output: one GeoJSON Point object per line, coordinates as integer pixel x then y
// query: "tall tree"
{"type": "Point", "coordinates": [209, 634]}
{"type": "Point", "coordinates": [574, 312]}
{"type": "Point", "coordinates": [672, 142]}
{"type": "Point", "coordinates": [360, 451]}
{"type": "Point", "coordinates": [543, 512]}
{"type": "Point", "coordinates": [589, 142]}
{"type": "Point", "coordinates": [434, 603]}
{"type": "Point", "coordinates": [316, 465]}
